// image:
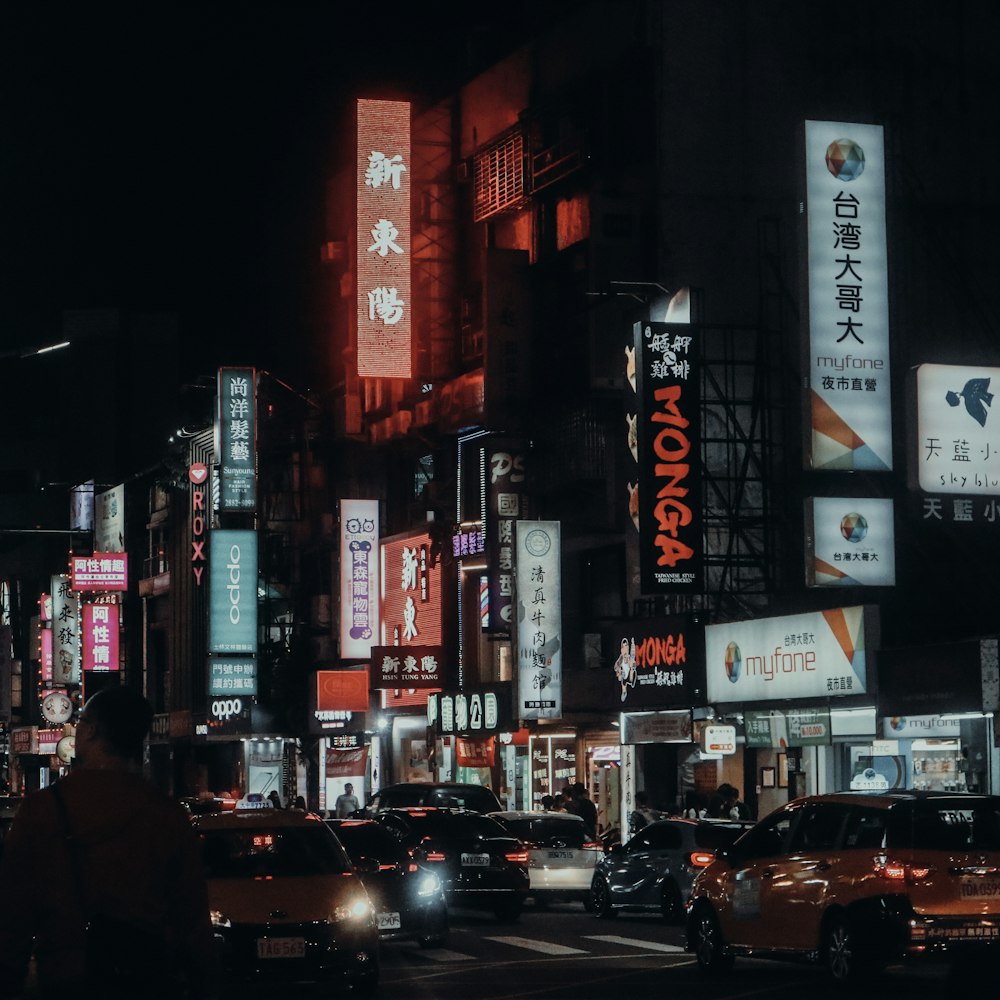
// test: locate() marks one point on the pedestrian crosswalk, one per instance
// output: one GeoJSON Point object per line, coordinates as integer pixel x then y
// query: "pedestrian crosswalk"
{"type": "Point", "coordinates": [514, 944]}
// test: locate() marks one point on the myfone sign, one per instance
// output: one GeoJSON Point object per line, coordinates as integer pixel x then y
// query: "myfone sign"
{"type": "Point", "coordinates": [232, 574]}
{"type": "Point", "coordinates": [820, 654]}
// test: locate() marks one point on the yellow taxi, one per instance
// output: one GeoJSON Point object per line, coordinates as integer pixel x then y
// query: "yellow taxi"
{"type": "Point", "coordinates": [856, 881]}
{"type": "Point", "coordinates": [286, 903]}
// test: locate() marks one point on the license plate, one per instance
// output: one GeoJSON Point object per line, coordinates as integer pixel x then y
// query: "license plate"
{"type": "Point", "coordinates": [476, 860]}
{"type": "Point", "coordinates": [560, 855]}
{"type": "Point", "coordinates": [281, 947]}
{"type": "Point", "coordinates": [388, 921]}
{"type": "Point", "coordinates": [979, 888]}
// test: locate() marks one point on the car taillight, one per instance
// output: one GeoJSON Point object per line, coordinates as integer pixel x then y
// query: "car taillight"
{"type": "Point", "coordinates": [901, 871]}
{"type": "Point", "coordinates": [412, 867]}
{"type": "Point", "coordinates": [434, 856]}
{"type": "Point", "coordinates": [517, 857]}
{"type": "Point", "coordinates": [700, 859]}
{"type": "Point", "coordinates": [386, 868]}
{"type": "Point", "coordinates": [593, 845]}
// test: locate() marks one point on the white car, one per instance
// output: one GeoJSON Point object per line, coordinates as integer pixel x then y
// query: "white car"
{"type": "Point", "coordinates": [561, 855]}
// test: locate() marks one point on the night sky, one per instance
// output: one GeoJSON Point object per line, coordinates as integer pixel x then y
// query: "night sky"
{"type": "Point", "coordinates": [158, 157]}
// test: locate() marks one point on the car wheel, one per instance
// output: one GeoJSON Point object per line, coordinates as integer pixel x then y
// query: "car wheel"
{"type": "Point", "coordinates": [508, 911]}
{"type": "Point", "coordinates": [846, 959]}
{"type": "Point", "coordinates": [706, 940]}
{"type": "Point", "coordinates": [671, 904]}
{"type": "Point", "coordinates": [600, 898]}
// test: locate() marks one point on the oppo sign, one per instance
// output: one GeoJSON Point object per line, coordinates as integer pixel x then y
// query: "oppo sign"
{"type": "Point", "coordinates": [232, 574]}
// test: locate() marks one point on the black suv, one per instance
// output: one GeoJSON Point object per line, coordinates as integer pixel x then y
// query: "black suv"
{"type": "Point", "coordinates": [435, 794]}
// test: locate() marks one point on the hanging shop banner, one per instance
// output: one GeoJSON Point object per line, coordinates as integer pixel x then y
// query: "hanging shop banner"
{"type": "Point", "coordinates": [655, 727]}
{"type": "Point", "coordinates": [66, 627]}
{"type": "Point", "coordinates": [232, 675]}
{"type": "Point", "coordinates": [359, 579]}
{"type": "Point", "coordinates": [407, 666]}
{"type": "Point", "coordinates": [668, 384]}
{"type": "Point", "coordinates": [383, 240]}
{"type": "Point", "coordinates": [342, 690]}
{"type": "Point", "coordinates": [849, 389]}
{"type": "Point", "coordinates": [539, 619]}
{"type": "Point", "coordinates": [850, 542]}
{"type": "Point", "coordinates": [410, 608]}
{"type": "Point", "coordinates": [198, 478]}
{"type": "Point", "coordinates": [109, 520]}
{"type": "Point", "coordinates": [100, 572]}
{"type": "Point", "coordinates": [101, 626]}
{"type": "Point", "coordinates": [505, 501]}
{"type": "Point", "coordinates": [346, 763]}
{"type": "Point", "coordinates": [957, 452]}
{"type": "Point", "coordinates": [237, 438]}
{"type": "Point", "coordinates": [820, 654]}
{"type": "Point", "coordinates": [779, 728]}
{"type": "Point", "coordinates": [45, 654]}
{"type": "Point", "coordinates": [475, 753]}
{"type": "Point", "coordinates": [653, 662]}
{"type": "Point", "coordinates": [232, 580]}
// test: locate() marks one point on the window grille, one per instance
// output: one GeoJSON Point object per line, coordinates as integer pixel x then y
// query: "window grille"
{"type": "Point", "coordinates": [498, 176]}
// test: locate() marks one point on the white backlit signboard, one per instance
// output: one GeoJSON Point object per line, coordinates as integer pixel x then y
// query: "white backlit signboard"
{"type": "Point", "coordinates": [849, 391]}
{"type": "Point", "coordinates": [383, 239]}
{"type": "Point", "coordinates": [958, 433]}
{"type": "Point", "coordinates": [359, 585]}
{"type": "Point", "coordinates": [237, 429]}
{"type": "Point", "coordinates": [66, 625]}
{"type": "Point", "coordinates": [539, 619]}
{"type": "Point", "coordinates": [820, 654]}
{"type": "Point", "coordinates": [850, 542]}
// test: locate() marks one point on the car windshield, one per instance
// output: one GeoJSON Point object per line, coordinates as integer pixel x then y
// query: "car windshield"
{"type": "Point", "coordinates": [262, 851]}
{"type": "Point", "coordinates": [545, 830]}
{"type": "Point", "coordinates": [714, 836]}
{"type": "Point", "coordinates": [481, 799]}
{"type": "Point", "coordinates": [946, 824]}
{"type": "Point", "coordinates": [448, 825]}
{"type": "Point", "coordinates": [370, 842]}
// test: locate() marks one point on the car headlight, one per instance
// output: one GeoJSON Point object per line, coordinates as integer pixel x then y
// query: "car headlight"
{"type": "Point", "coordinates": [429, 885]}
{"type": "Point", "coordinates": [219, 919]}
{"type": "Point", "coordinates": [356, 909]}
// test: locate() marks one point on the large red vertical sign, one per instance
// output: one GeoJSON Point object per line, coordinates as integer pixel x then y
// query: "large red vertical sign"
{"type": "Point", "coordinates": [384, 239]}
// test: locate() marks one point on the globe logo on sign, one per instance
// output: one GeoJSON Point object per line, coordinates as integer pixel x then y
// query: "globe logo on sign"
{"type": "Point", "coordinates": [845, 159]}
{"type": "Point", "coordinates": [734, 662]}
{"type": "Point", "coordinates": [853, 527]}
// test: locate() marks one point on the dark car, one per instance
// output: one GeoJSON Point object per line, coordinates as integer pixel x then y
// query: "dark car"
{"type": "Point", "coordinates": [856, 881]}
{"type": "Point", "coordinates": [286, 904]}
{"type": "Point", "coordinates": [480, 864]}
{"type": "Point", "coordinates": [409, 900]}
{"type": "Point", "coordinates": [437, 795]}
{"type": "Point", "coordinates": [655, 869]}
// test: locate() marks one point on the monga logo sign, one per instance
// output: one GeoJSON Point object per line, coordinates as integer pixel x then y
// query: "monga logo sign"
{"type": "Point", "coordinates": [232, 573]}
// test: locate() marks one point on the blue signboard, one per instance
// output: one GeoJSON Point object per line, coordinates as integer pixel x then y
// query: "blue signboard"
{"type": "Point", "coordinates": [232, 675]}
{"type": "Point", "coordinates": [237, 399]}
{"type": "Point", "coordinates": [232, 575]}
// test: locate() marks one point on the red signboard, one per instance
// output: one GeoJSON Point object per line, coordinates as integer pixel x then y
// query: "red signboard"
{"type": "Point", "coordinates": [100, 637]}
{"type": "Point", "coordinates": [99, 572]}
{"type": "Point", "coordinates": [384, 239]}
{"type": "Point", "coordinates": [346, 763]}
{"type": "Point", "coordinates": [410, 592]}
{"type": "Point", "coordinates": [475, 753]}
{"type": "Point", "coordinates": [45, 654]}
{"type": "Point", "coordinates": [342, 691]}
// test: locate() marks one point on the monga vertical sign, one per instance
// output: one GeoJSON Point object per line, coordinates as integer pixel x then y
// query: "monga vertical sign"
{"type": "Point", "coordinates": [232, 575]}
{"type": "Point", "coordinates": [237, 438]}
{"type": "Point", "coordinates": [383, 239]}
{"type": "Point", "coordinates": [668, 384]}
{"type": "Point", "coordinates": [849, 391]}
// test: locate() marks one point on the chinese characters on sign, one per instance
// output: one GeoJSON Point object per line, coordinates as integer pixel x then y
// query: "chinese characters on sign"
{"type": "Point", "coordinates": [411, 593]}
{"type": "Point", "coordinates": [850, 542]}
{"type": "Point", "coordinates": [848, 298]}
{"type": "Point", "coordinates": [958, 451]}
{"type": "Point", "coordinates": [100, 571]}
{"type": "Point", "coordinates": [359, 580]}
{"type": "Point", "coordinates": [237, 400]}
{"type": "Point", "coordinates": [668, 380]}
{"type": "Point", "coordinates": [65, 631]}
{"type": "Point", "coordinates": [228, 676]}
{"type": "Point", "coordinates": [505, 502]}
{"type": "Point", "coordinates": [383, 239]}
{"type": "Point", "coordinates": [539, 619]}
{"type": "Point", "coordinates": [406, 666]}
{"type": "Point", "coordinates": [100, 637]}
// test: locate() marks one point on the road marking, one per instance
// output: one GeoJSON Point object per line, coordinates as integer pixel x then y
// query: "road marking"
{"type": "Point", "coordinates": [546, 947]}
{"type": "Point", "coordinates": [634, 943]}
{"type": "Point", "coordinates": [444, 955]}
